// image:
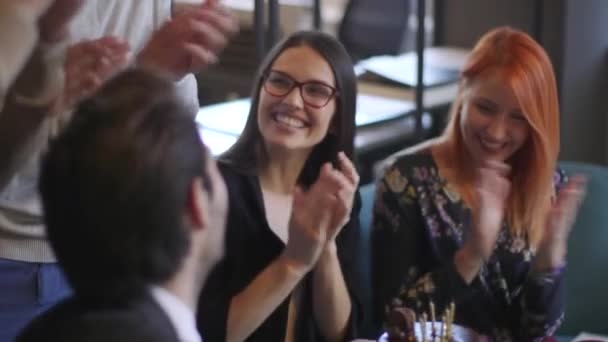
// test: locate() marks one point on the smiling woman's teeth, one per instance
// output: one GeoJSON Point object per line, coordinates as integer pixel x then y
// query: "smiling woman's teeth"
{"type": "Point", "coordinates": [289, 121]}
{"type": "Point", "coordinates": [493, 146]}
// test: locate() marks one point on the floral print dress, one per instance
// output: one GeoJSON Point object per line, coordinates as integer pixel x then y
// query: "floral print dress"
{"type": "Point", "coordinates": [419, 224]}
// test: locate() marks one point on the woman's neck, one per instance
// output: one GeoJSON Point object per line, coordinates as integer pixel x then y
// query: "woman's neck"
{"type": "Point", "coordinates": [281, 170]}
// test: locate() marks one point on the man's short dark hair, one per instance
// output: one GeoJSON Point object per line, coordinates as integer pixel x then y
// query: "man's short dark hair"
{"type": "Point", "coordinates": [115, 185]}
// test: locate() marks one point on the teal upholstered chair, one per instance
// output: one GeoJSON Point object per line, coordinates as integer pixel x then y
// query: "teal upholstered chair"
{"type": "Point", "coordinates": [587, 275]}
{"type": "Point", "coordinates": [365, 219]}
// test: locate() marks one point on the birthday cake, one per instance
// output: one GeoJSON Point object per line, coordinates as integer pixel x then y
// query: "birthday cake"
{"type": "Point", "coordinates": [459, 334]}
{"type": "Point", "coordinates": [402, 326]}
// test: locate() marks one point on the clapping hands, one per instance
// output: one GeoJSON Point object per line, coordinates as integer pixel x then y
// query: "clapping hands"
{"type": "Point", "coordinates": [492, 190]}
{"type": "Point", "coordinates": [559, 220]}
{"type": "Point", "coordinates": [190, 41]}
{"type": "Point", "coordinates": [320, 212]}
{"type": "Point", "coordinates": [89, 64]}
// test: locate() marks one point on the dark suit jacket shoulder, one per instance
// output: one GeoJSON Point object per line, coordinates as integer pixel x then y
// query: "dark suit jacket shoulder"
{"type": "Point", "coordinates": [141, 319]}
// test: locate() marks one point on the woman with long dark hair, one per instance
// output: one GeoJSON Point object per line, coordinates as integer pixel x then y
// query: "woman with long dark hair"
{"type": "Point", "coordinates": [289, 264]}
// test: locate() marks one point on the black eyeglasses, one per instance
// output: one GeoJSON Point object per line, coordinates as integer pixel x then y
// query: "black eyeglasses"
{"type": "Point", "coordinates": [314, 93]}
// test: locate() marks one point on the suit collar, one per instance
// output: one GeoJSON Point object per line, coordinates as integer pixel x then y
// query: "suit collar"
{"type": "Point", "coordinates": [181, 316]}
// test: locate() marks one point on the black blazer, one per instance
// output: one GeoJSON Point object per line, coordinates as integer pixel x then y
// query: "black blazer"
{"type": "Point", "coordinates": [250, 247]}
{"type": "Point", "coordinates": [141, 319]}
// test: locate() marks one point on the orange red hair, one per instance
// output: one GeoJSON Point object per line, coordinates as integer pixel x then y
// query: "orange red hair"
{"type": "Point", "coordinates": [526, 68]}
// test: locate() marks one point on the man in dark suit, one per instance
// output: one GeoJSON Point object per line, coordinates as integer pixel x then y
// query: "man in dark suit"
{"type": "Point", "coordinates": [135, 212]}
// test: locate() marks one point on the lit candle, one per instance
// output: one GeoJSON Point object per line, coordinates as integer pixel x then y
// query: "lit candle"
{"type": "Point", "coordinates": [451, 319]}
{"type": "Point", "coordinates": [433, 331]}
{"type": "Point", "coordinates": [424, 320]}
{"type": "Point", "coordinates": [442, 331]}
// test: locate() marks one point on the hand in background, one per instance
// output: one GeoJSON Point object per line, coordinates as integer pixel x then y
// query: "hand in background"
{"type": "Point", "coordinates": [190, 41]}
{"type": "Point", "coordinates": [553, 244]}
{"type": "Point", "coordinates": [89, 64]}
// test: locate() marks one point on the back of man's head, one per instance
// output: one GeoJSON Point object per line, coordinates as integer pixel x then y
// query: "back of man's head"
{"type": "Point", "coordinates": [115, 184]}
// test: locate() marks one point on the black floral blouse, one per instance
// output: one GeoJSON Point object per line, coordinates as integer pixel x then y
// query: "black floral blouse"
{"type": "Point", "coordinates": [419, 223]}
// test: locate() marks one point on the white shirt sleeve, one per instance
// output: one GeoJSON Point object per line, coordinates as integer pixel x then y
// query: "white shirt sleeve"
{"type": "Point", "coordinates": [134, 21]}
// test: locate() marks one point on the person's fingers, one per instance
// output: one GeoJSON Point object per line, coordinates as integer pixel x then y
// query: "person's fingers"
{"type": "Point", "coordinates": [108, 42]}
{"type": "Point", "coordinates": [330, 180]}
{"type": "Point", "coordinates": [207, 35]}
{"type": "Point", "coordinates": [79, 63]}
{"type": "Point", "coordinates": [89, 54]}
{"type": "Point", "coordinates": [117, 63]}
{"type": "Point", "coordinates": [90, 83]}
{"type": "Point", "coordinates": [101, 66]}
{"type": "Point", "coordinates": [115, 41]}
{"type": "Point", "coordinates": [501, 168]}
{"type": "Point", "coordinates": [348, 169]}
{"type": "Point", "coordinates": [567, 204]}
{"type": "Point", "coordinates": [338, 181]}
{"type": "Point", "coordinates": [224, 22]}
{"type": "Point", "coordinates": [77, 91]}
{"type": "Point", "coordinates": [211, 4]}
{"type": "Point", "coordinates": [573, 192]}
{"type": "Point", "coordinates": [326, 209]}
{"type": "Point", "coordinates": [108, 65]}
{"type": "Point", "coordinates": [341, 216]}
{"type": "Point", "coordinates": [199, 56]}
{"type": "Point", "coordinates": [493, 181]}
{"type": "Point", "coordinates": [108, 50]}
{"type": "Point", "coordinates": [345, 199]}
{"type": "Point", "coordinates": [316, 207]}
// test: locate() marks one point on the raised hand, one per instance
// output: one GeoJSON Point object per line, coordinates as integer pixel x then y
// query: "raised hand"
{"type": "Point", "coordinates": [492, 190]}
{"type": "Point", "coordinates": [308, 226]}
{"type": "Point", "coordinates": [190, 41]}
{"type": "Point", "coordinates": [319, 214]}
{"type": "Point", "coordinates": [552, 248]}
{"type": "Point", "coordinates": [89, 64]}
{"type": "Point", "coordinates": [345, 181]}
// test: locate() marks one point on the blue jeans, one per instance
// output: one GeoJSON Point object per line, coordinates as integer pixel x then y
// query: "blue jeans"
{"type": "Point", "coordinates": [26, 290]}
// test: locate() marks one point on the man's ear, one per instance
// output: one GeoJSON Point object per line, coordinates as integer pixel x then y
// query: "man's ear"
{"type": "Point", "coordinates": [195, 209]}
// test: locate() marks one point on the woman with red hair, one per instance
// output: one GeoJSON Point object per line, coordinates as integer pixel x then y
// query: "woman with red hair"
{"type": "Point", "coordinates": [480, 216]}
